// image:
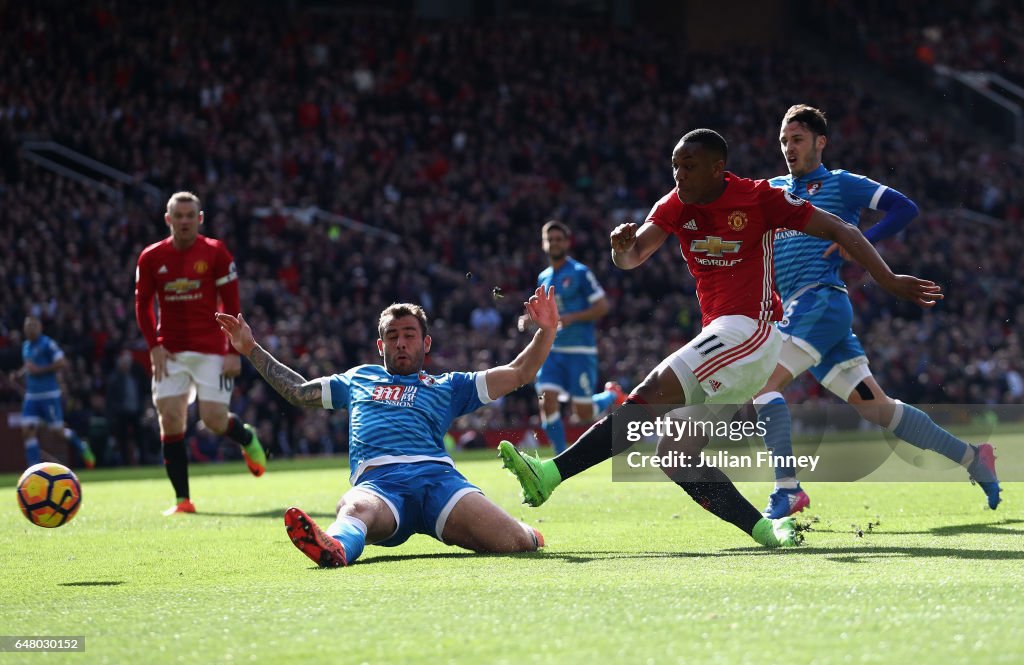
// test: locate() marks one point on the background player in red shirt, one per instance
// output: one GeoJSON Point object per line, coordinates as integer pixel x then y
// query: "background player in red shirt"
{"type": "Point", "coordinates": [726, 226]}
{"type": "Point", "coordinates": [187, 273]}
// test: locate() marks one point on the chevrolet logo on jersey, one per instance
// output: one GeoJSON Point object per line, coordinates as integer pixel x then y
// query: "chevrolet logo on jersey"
{"type": "Point", "coordinates": [182, 285]}
{"type": "Point", "coordinates": [715, 246]}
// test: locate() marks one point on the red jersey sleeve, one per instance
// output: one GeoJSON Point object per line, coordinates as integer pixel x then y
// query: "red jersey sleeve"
{"type": "Point", "coordinates": [227, 284]}
{"type": "Point", "coordinates": [781, 209]}
{"type": "Point", "coordinates": [144, 292]}
{"type": "Point", "coordinates": [666, 213]}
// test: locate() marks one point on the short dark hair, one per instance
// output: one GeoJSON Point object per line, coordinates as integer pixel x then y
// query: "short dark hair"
{"type": "Point", "coordinates": [398, 310]}
{"type": "Point", "coordinates": [555, 224]}
{"type": "Point", "coordinates": [808, 116]}
{"type": "Point", "coordinates": [708, 139]}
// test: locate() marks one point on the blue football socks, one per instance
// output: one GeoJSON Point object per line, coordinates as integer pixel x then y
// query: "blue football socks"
{"type": "Point", "coordinates": [32, 454]}
{"type": "Point", "coordinates": [773, 416]}
{"type": "Point", "coordinates": [602, 401]}
{"type": "Point", "coordinates": [915, 427]}
{"type": "Point", "coordinates": [555, 430]}
{"type": "Point", "coordinates": [351, 533]}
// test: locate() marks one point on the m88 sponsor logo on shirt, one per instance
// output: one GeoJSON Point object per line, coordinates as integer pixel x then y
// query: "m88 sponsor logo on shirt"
{"type": "Point", "coordinates": [395, 395]}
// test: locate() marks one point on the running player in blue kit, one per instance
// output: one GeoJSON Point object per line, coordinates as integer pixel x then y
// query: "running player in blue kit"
{"type": "Point", "coordinates": [817, 318]}
{"type": "Point", "coordinates": [403, 481]}
{"type": "Point", "coordinates": [43, 358]}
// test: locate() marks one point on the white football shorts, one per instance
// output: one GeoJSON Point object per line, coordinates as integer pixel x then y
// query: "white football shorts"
{"type": "Point", "coordinates": [195, 374]}
{"type": "Point", "coordinates": [728, 362]}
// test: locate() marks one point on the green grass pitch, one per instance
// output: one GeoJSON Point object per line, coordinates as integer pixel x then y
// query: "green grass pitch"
{"type": "Point", "coordinates": [633, 573]}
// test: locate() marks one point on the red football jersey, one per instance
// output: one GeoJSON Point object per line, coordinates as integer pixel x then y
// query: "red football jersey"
{"type": "Point", "coordinates": [728, 244]}
{"type": "Point", "coordinates": [186, 284]}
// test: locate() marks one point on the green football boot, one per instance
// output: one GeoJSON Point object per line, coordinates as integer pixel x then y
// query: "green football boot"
{"type": "Point", "coordinates": [538, 478]}
{"type": "Point", "coordinates": [255, 457]}
{"type": "Point", "coordinates": [777, 533]}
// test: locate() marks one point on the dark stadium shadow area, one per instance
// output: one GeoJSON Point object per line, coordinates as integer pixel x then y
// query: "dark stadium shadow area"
{"type": "Point", "coordinates": [869, 552]}
{"type": "Point", "coordinates": [111, 583]}
{"type": "Point", "coordinates": [276, 512]}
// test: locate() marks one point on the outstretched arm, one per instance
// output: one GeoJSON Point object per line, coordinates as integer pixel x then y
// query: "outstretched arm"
{"type": "Point", "coordinates": [544, 312]}
{"type": "Point", "coordinates": [826, 225]}
{"type": "Point", "coordinates": [286, 381]}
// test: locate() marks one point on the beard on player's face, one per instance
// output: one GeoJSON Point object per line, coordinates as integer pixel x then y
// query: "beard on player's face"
{"type": "Point", "coordinates": [404, 354]}
{"type": "Point", "coordinates": [404, 361]}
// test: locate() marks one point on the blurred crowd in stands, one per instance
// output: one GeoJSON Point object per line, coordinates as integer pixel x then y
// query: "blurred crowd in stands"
{"type": "Point", "coordinates": [462, 139]}
{"type": "Point", "coordinates": [967, 35]}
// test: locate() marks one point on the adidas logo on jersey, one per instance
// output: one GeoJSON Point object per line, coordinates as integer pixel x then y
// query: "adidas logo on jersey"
{"type": "Point", "coordinates": [715, 385]}
{"type": "Point", "coordinates": [162, 271]}
{"type": "Point", "coordinates": [691, 225]}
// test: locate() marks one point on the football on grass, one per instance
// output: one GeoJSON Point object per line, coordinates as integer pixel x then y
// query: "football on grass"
{"type": "Point", "coordinates": [49, 494]}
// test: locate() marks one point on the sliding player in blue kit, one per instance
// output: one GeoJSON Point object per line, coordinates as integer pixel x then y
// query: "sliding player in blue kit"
{"type": "Point", "coordinates": [403, 481]}
{"type": "Point", "coordinates": [817, 319]}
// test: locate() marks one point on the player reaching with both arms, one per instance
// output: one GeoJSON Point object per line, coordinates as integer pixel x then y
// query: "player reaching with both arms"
{"type": "Point", "coordinates": [187, 273]}
{"type": "Point", "coordinates": [725, 225]}
{"type": "Point", "coordinates": [570, 372]}
{"type": "Point", "coordinates": [816, 327]}
{"type": "Point", "coordinates": [403, 481]}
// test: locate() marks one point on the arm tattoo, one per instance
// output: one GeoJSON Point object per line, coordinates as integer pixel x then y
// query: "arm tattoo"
{"type": "Point", "coordinates": [286, 381]}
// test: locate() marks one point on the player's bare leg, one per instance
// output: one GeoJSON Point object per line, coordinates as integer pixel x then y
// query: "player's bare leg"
{"type": "Point", "coordinates": [477, 523]}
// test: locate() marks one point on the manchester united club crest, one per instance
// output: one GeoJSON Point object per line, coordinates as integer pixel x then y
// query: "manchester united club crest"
{"type": "Point", "coordinates": [813, 187]}
{"type": "Point", "coordinates": [737, 220]}
{"type": "Point", "coordinates": [200, 267]}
